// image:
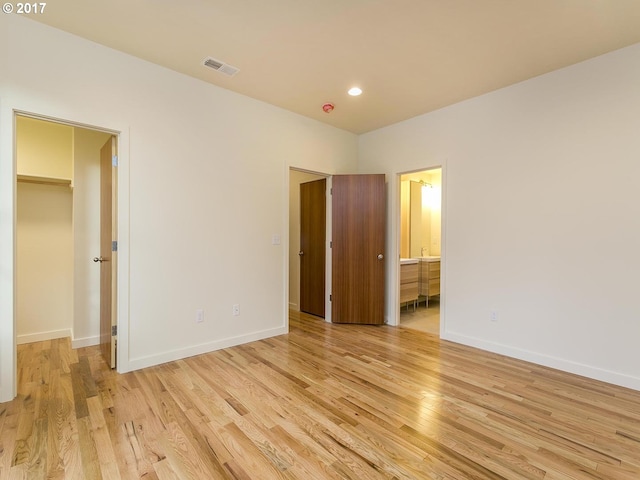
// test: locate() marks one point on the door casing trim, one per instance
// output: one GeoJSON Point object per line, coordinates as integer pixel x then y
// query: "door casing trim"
{"type": "Point", "coordinates": [8, 350]}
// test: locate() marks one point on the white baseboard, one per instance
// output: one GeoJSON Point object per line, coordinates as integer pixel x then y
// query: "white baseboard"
{"type": "Point", "coordinates": [569, 366]}
{"type": "Point", "coordinates": [85, 342]}
{"type": "Point", "coordinates": [42, 336]}
{"type": "Point", "coordinates": [152, 360]}
{"type": "Point", "coordinates": [53, 334]}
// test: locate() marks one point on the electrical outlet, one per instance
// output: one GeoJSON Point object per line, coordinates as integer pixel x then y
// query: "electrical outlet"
{"type": "Point", "coordinates": [236, 310]}
{"type": "Point", "coordinates": [493, 316]}
{"type": "Point", "coordinates": [199, 316]}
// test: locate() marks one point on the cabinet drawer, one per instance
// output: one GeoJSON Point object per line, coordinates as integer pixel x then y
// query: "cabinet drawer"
{"type": "Point", "coordinates": [408, 292]}
{"type": "Point", "coordinates": [434, 287]}
{"type": "Point", "coordinates": [434, 270]}
{"type": "Point", "coordinates": [408, 273]}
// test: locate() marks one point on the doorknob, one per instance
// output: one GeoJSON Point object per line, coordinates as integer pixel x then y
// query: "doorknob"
{"type": "Point", "coordinates": [99, 259]}
{"type": "Point", "coordinates": [300, 253]}
{"type": "Point", "coordinates": [380, 256]}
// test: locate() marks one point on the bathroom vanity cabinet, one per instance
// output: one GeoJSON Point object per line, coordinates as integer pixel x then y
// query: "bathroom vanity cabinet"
{"type": "Point", "coordinates": [409, 285]}
{"type": "Point", "coordinates": [429, 277]}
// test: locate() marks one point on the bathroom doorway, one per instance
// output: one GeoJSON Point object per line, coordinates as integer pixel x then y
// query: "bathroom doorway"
{"type": "Point", "coordinates": [420, 250]}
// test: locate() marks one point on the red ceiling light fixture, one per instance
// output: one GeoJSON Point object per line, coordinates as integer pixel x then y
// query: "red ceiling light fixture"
{"type": "Point", "coordinates": [328, 107]}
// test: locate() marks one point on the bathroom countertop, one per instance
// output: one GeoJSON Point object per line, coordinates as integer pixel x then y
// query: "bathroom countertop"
{"type": "Point", "coordinates": [430, 258]}
{"type": "Point", "coordinates": [408, 261]}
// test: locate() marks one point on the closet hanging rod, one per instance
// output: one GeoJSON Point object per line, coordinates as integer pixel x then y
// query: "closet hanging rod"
{"type": "Point", "coordinates": [62, 182]}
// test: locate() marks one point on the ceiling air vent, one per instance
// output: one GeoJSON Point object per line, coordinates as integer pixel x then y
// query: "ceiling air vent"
{"type": "Point", "coordinates": [220, 66]}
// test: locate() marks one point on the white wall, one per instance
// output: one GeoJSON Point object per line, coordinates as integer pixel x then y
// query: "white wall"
{"type": "Point", "coordinates": [540, 215]}
{"type": "Point", "coordinates": [44, 262]}
{"type": "Point", "coordinates": [44, 240]}
{"type": "Point", "coordinates": [44, 149]}
{"type": "Point", "coordinates": [203, 185]}
{"type": "Point", "coordinates": [432, 211]}
{"type": "Point", "coordinates": [419, 235]}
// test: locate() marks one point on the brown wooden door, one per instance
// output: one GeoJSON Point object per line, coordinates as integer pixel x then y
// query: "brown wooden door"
{"type": "Point", "coordinates": [358, 232]}
{"type": "Point", "coordinates": [107, 256]}
{"type": "Point", "coordinates": [312, 246]}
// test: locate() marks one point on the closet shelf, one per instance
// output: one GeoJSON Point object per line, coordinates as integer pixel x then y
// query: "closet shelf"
{"type": "Point", "coordinates": [62, 182]}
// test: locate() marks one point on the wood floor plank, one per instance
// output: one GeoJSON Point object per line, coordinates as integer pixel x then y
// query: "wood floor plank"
{"type": "Point", "coordinates": [324, 401]}
{"type": "Point", "coordinates": [55, 464]}
{"type": "Point", "coordinates": [186, 445]}
{"type": "Point", "coordinates": [7, 441]}
{"type": "Point", "coordinates": [22, 445]}
{"type": "Point", "coordinates": [102, 440]}
{"type": "Point", "coordinates": [67, 428]}
{"type": "Point", "coordinates": [164, 471]}
{"type": "Point", "coordinates": [79, 392]}
{"type": "Point", "coordinates": [37, 464]}
{"type": "Point", "coordinates": [88, 454]}
{"type": "Point", "coordinates": [183, 459]}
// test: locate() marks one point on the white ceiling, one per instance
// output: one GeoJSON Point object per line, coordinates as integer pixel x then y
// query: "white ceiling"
{"type": "Point", "coordinates": [409, 56]}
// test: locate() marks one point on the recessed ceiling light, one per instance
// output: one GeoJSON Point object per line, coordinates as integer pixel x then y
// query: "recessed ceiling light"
{"type": "Point", "coordinates": [354, 91]}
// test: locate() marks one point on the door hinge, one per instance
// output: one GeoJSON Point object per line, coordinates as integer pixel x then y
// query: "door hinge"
{"type": "Point", "coordinates": [114, 330]}
{"type": "Point", "coordinates": [114, 246]}
{"type": "Point", "coordinates": [331, 191]}
{"type": "Point", "coordinates": [330, 244]}
{"type": "Point", "coordinates": [330, 297]}
{"type": "Point", "coordinates": [114, 160]}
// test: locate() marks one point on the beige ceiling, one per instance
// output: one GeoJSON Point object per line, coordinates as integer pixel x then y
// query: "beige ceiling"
{"type": "Point", "coordinates": [409, 56]}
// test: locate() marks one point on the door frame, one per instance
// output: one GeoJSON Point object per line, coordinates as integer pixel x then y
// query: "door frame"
{"type": "Point", "coordinates": [327, 260]}
{"type": "Point", "coordinates": [8, 192]}
{"type": "Point", "coordinates": [394, 289]}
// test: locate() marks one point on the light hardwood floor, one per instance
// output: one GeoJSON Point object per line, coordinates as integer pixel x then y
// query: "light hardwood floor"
{"type": "Point", "coordinates": [325, 401]}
